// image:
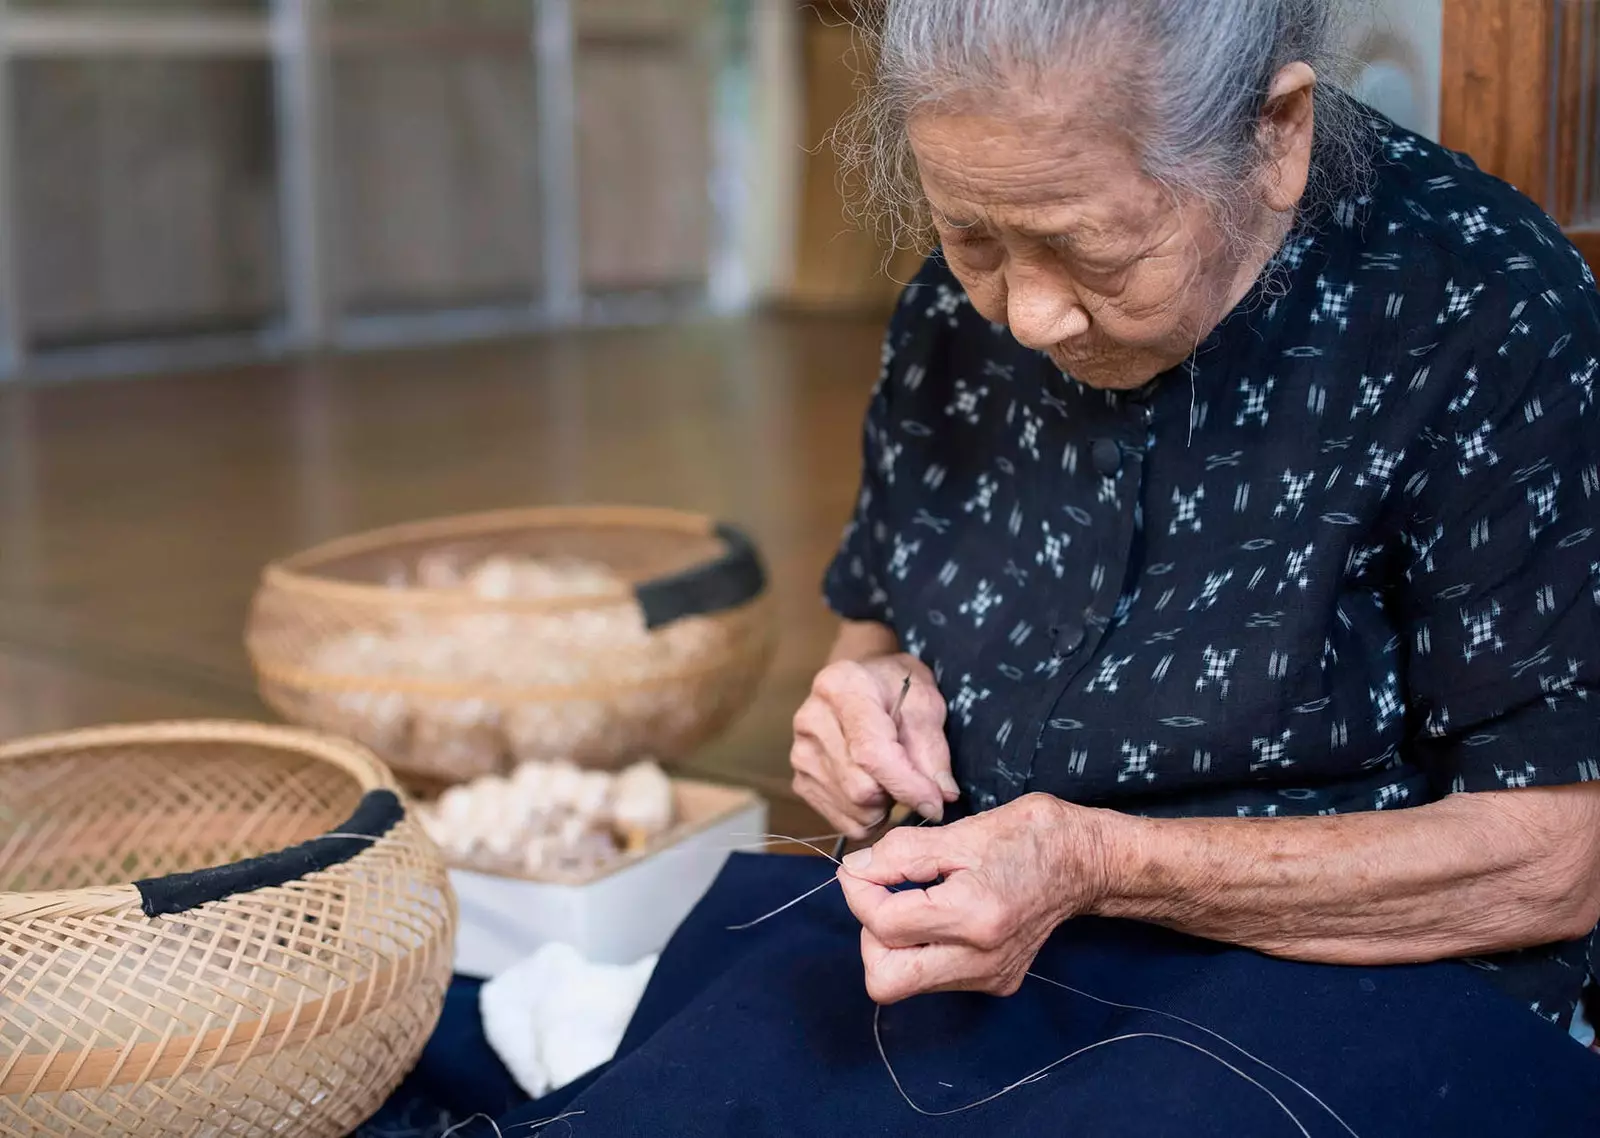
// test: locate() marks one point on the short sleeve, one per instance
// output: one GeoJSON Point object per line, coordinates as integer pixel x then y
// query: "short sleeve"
{"type": "Point", "coordinates": [855, 582]}
{"type": "Point", "coordinates": [1501, 597]}
{"type": "Point", "coordinates": [853, 585]}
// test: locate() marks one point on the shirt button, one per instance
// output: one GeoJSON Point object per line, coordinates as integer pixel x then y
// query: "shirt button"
{"type": "Point", "coordinates": [1107, 456]}
{"type": "Point", "coordinates": [1069, 638]}
{"type": "Point", "coordinates": [986, 801]}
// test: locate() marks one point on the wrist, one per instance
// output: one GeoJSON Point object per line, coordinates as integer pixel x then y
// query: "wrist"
{"type": "Point", "coordinates": [1089, 855]}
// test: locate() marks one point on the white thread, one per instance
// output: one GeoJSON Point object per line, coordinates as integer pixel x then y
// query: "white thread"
{"type": "Point", "coordinates": [1291, 1080]}
{"type": "Point", "coordinates": [763, 840]}
{"type": "Point", "coordinates": [809, 892]}
{"type": "Point", "coordinates": [469, 1121]}
{"type": "Point", "coordinates": [799, 842]}
{"type": "Point", "coordinates": [537, 1124]}
{"type": "Point", "coordinates": [786, 905]}
{"type": "Point", "coordinates": [1043, 1071]}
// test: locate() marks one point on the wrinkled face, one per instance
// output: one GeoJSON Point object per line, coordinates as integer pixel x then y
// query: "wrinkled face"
{"type": "Point", "coordinates": [1056, 233]}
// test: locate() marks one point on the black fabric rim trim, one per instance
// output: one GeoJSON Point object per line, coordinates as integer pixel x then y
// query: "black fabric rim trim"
{"type": "Point", "coordinates": [735, 578]}
{"type": "Point", "coordinates": [378, 812]}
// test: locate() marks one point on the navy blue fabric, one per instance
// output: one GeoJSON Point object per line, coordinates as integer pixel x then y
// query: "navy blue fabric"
{"type": "Point", "coordinates": [768, 1032]}
{"type": "Point", "coordinates": [457, 1076]}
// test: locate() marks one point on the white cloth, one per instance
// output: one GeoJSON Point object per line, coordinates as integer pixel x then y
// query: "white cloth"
{"type": "Point", "coordinates": [1582, 1030]}
{"type": "Point", "coordinates": [555, 1016]}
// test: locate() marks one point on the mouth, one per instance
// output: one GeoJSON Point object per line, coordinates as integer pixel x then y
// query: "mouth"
{"type": "Point", "coordinates": [1077, 355]}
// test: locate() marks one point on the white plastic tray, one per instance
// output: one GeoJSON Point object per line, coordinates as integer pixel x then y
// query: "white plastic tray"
{"type": "Point", "coordinates": [625, 913]}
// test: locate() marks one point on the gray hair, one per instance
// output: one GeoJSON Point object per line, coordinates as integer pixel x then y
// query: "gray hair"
{"type": "Point", "coordinates": [1202, 70]}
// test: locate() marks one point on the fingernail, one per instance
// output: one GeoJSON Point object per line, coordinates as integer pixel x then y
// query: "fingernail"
{"type": "Point", "coordinates": [859, 860]}
{"type": "Point", "coordinates": [932, 811]}
{"type": "Point", "coordinates": [948, 785]}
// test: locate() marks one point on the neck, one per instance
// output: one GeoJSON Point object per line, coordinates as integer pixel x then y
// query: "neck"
{"type": "Point", "coordinates": [1260, 245]}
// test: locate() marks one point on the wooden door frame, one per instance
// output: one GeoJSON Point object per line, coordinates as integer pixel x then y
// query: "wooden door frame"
{"type": "Point", "coordinates": [1497, 104]}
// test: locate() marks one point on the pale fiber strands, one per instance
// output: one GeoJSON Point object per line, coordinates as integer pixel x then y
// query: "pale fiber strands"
{"type": "Point", "coordinates": [289, 1010]}
{"type": "Point", "coordinates": [379, 638]}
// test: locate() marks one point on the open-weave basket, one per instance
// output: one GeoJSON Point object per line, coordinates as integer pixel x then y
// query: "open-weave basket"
{"type": "Point", "coordinates": [210, 928]}
{"type": "Point", "coordinates": [653, 657]}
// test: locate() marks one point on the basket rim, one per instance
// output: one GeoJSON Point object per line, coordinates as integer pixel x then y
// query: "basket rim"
{"type": "Point", "coordinates": [756, 649]}
{"type": "Point", "coordinates": [350, 757]}
{"type": "Point", "coordinates": [299, 573]}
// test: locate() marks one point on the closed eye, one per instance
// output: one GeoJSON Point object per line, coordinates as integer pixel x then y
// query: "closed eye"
{"type": "Point", "coordinates": [1093, 261]}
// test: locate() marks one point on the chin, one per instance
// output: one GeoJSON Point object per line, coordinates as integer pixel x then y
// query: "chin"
{"type": "Point", "coordinates": [1104, 374]}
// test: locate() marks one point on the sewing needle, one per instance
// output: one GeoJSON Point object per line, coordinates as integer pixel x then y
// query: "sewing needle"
{"type": "Point", "coordinates": [894, 715]}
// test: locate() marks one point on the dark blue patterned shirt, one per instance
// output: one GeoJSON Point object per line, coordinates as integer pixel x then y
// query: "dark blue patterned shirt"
{"type": "Point", "coordinates": [1347, 557]}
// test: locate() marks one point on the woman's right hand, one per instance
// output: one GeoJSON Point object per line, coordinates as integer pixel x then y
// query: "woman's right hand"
{"type": "Point", "coordinates": [852, 762]}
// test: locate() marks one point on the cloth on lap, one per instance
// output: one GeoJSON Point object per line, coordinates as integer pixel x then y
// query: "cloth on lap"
{"type": "Point", "coordinates": [769, 1032]}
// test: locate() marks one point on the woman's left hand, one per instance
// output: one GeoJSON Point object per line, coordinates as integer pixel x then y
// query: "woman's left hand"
{"type": "Point", "coordinates": [1005, 880]}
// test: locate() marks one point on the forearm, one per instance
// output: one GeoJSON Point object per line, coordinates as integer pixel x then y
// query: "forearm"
{"type": "Point", "coordinates": [1469, 875]}
{"type": "Point", "coordinates": [863, 640]}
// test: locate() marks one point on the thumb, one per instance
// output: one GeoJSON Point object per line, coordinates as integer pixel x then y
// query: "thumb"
{"type": "Point", "coordinates": [906, 856]}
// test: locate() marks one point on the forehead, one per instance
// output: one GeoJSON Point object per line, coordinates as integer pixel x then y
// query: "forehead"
{"type": "Point", "coordinates": [1018, 165]}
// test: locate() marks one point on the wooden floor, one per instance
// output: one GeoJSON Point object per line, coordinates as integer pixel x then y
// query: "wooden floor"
{"type": "Point", "coordinates": [136, 514]}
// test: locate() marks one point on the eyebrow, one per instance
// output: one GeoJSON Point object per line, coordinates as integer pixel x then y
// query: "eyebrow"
{"type": "Point", "coordinates": [954, 222]}
{"type": "Point", "coordinates": [1083, 236]}
{"type": "Point", "coordinates": [1081, 230]}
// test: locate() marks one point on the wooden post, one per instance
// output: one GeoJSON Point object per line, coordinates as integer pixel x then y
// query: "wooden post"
{"type": "Point", "coordinates": [1520, 96]}
{"type": "Point", "coordinates": [1495, 103]}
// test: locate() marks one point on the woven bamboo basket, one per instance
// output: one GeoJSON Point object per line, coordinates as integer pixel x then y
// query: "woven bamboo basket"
{"type": "Point", "coordinates": [210, 928]}
{"type": "Point", "coordinates": [460, 647]}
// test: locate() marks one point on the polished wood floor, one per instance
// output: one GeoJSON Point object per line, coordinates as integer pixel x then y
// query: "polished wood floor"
{"type": "Point", "coordinates": [135, 514]}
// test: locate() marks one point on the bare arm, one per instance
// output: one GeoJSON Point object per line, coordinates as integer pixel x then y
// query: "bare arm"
{"type": "Point", "coordinates": [863, 640]}
{"type": "Point", "coordinates": [1474, 873]}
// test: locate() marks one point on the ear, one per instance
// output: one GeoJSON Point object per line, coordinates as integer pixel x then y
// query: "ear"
{"type": "Point", "coordinates": [1287, 126]}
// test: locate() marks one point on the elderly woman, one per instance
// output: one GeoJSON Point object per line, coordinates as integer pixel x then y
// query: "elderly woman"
{"type": "Point", "coordinates": [1232, 503]}
{"type": "Point", "coordinates": [1232, 499]}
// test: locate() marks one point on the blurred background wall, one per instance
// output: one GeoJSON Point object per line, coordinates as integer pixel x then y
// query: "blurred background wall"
{"type": "Point", "coordinates": [279, 173]}
{"type": "Point", "coordinates": [216, 178]}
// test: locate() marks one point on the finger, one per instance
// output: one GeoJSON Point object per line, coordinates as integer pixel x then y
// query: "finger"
{"type": "Point", "coordinates": [909, 918]}
{"type": "Point", "coordinates": [895, 974]}
{"type": "Point", "coordinates": [872, 741]}
{"type": "Point", "coordinates": [819, 738]}
{"type": "Point", "coordinates": [910, 854]}
{"type": "Point", "coordinates": [929, 752]}
{"type": "Point", "coordinates": [922, 734]}
{"type": "Point", "coordinates": [860, 699]}
{"type": "Point", "coordinates": [817, 794]}
{"type": "Point", "coordinates": [857, 787]}
{"type": "Point", "coordinates": [817, 720]}
{"type": "Point", "coordinates": [856, 819]}
{"type": "Point", "coordinates": [863, 897]}
{"type": "Point", "coordinates": [855, 793]}
{"type": "Point", "coordinates": [843, 816]}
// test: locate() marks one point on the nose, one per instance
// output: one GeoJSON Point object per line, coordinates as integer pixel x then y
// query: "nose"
{"type": "Point", "coordinates": [1042, 309]}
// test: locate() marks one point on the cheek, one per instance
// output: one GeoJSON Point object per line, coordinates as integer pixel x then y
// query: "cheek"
{"type": "Point", "coordinates": [985, 288]}
{"type": "Point", "coordinates": [1158, 300]}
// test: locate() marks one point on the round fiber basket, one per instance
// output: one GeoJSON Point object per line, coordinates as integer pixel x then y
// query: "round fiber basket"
{"type": "Point", "coordinates": [210, 928]}
{"type": "Point", "coordinates": [460, 647]}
